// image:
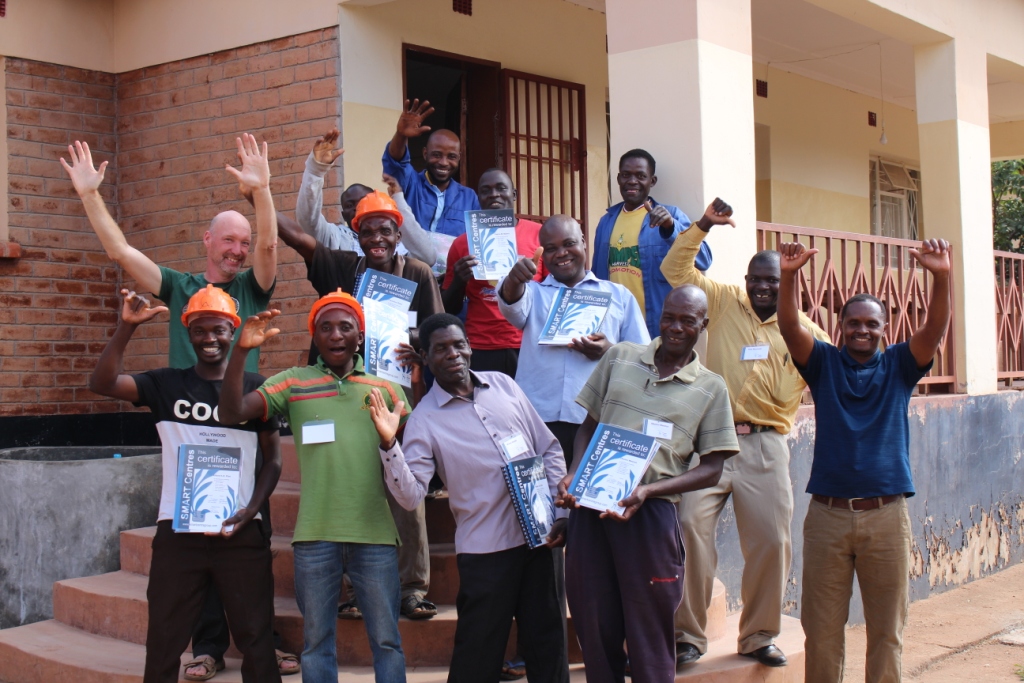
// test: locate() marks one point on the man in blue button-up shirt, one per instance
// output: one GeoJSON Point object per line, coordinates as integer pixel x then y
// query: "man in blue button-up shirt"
{"type": "Point", "coordinates": [552, 376]}
{"type": "Point", "coordinates": [630, 251]}
{"type": "Point", "coordinates": [437, 199]}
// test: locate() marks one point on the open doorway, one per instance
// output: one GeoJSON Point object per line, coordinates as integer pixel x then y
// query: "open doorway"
{"type": "Point", "coordinates": [466, 97]}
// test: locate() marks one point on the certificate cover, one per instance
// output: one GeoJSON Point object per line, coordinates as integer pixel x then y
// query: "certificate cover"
{"type": "Point", "coordinates": [531, 498]}
{"type": "Point", "coordinates": [207, 487]}
{"type": "Point", "coordinates": [612, 467]}
{"type": "Point", "coordinates": [397, 292]}
{"type": "Point", "coordinates": [386, 328]}
{"type": "Point", "coordinates": [492, 239]}
{"type": "Point", "coordinates": [574, 313]}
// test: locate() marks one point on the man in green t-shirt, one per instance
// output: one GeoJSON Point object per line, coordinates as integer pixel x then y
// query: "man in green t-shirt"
{"type": "Point", "coordinates": [344, 523]}
{"type": "Point", "coordinates": [227, 241]}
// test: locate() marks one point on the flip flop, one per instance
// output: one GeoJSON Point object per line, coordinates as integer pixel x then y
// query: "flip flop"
{"type": "Point", "coordinates": [414, 608]}
{"type": "Point", "coordinates": [211, 666]}
{"type": "Point", "coordinates": [283, 657]}
{"type": "Point", "coordinates": [349, 610]}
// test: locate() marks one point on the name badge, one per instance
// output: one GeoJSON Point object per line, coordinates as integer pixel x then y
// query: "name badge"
{"type": "Point", "coordinates": [514, 446]}
{"type": "Point", "coordinates": [658, 429]}
{"type": "Point", "coordinates": [755, 352]}
{"type": "Point", "coordinates": [321, 431]}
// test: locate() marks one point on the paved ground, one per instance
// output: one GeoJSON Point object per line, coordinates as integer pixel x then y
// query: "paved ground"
{"type": "Point", "coordinates": [955, 637]}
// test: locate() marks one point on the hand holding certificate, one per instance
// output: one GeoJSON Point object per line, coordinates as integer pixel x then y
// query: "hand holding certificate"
{"type": "Point", "coordinates": [207, 487]}
{"type": "Point", "coordinates": [609, 475]}
{"type": "Point", "coordinates": [491, 236]}
{"type": "Point", "coordinates": [574, 314]}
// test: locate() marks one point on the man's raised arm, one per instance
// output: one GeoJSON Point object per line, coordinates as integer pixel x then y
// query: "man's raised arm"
{"type": "Point", "coordinates": [255, 176]}
{"type": "Point", "coordinates": [236, 407]}
{"type": "Point", "coordinates": [798, 338]}
{"type": "Point", "coordinates": [933, 257]}
{"type": "Point", "coordinates": [87, 180]}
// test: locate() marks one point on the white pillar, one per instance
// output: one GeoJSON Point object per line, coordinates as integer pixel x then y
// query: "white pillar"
{"type": "Point", "coordinates": [680, 86]}
{"type": "Point", "coordinates": [952, 117]}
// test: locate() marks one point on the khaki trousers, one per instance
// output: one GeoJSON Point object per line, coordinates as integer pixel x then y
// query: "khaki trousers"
{"type": "Point", "coordinates": [762, 496]}
{"type": "Point", "coordinates": [876, 545]}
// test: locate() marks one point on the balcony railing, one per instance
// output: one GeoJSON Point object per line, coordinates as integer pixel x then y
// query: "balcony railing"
{"type": "Point", "coordinates": [850, 263]}
{"type": "Point", "coordinates": [1010, 316]}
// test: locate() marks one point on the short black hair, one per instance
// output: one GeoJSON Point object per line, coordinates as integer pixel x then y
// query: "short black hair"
{"type": "Point", "coordinates": [868, 298]}
{"type": "Point", "coordinates": [433, 323]}
{"type": "Point", "coordinates": [768, 256]}
{"type": "Point", "coordinates": [358, 186]}
{"type": "Point", "coordinates": [639, 154]}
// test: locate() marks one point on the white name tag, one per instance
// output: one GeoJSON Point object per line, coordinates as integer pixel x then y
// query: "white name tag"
{"type": "Point", "coordinates": [514, 446]}
{"type": "Point", "coordinates": [658, 429]}
{"type": "Point", "coordinates": [756, 352]}
{"type": "Point", "coordinates": [318, 432]}
{"type": "Point", "coordinates": [412, 319]}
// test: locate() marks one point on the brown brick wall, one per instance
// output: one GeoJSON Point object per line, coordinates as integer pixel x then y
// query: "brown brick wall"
{"type": "Point", "coordinates": [56, 301]}
{"type": "Point", "coordinates": [167, 131]}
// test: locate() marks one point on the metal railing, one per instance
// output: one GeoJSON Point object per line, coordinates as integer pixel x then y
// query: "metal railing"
{"type": "Point", "coordinates": [1010, 316]}
{"type": "Point", "coordinates": [852, 263]}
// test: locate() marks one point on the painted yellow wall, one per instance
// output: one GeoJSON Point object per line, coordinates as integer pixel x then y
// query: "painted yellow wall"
{"type": "Point", "coordinates": [821, 145]}
{"type": "Point", "coordinates": [70, 32]}
{"type": "Point", "coordinates": [1007, 140]}
{"type": "Point", "coordinates": [525, 35]}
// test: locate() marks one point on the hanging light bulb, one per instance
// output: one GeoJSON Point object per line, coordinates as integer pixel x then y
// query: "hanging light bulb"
{"type": "Point", "coordinates": [883, 140]}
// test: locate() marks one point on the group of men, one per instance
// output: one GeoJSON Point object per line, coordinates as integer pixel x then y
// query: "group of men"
{"type": "Point", "coordinates": [637, 578]}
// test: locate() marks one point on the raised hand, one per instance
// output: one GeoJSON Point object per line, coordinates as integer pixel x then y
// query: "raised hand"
{"type": "Point", "coordinates": [933, 255]}
{"type": "Point", "coordinates": [255, 330]}
{"type": "Point", "coordinates": [717, 213]}
{"type": "Point", "coordinates": [392, 183]}
{"type": "Point", "coordinates": [136, 309]}
{"type": "Point", "coordinates": [794, 256]}
{"type": "Point", "coordinates": [84, 176]}
{"type": "Point", "coordinates": [658, 216]}
{"type": "Point", "coordinates": [323, 148]}
{"type": "Point", "coordinates": [462, 271]}
{"type": "Point", "coordinates": [525, 269]}
{"type": "Point", "coordinates": [385, 421]}
{"type": "Point", "coordinates": [410, 123]}
{"type": "Point", "coordinates": [255, 173]}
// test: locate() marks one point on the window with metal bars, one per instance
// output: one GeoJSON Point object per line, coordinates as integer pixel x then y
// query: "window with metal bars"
{"type": "Point", "coordinates": [3, 8]}
{"type": "Point", "coordinates": [463, 7]}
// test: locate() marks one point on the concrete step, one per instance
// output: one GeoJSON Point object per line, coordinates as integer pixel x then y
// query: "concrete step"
{"type": "Point", "coordinates": [137, 553]}
{"type": "Point", "coordinates": [114, 605]}
{"type": "Point", "coordinates": [52, 652]}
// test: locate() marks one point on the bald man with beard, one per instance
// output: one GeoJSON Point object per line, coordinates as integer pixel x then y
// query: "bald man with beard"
{"type": "Point", "coordinates": [228, 242]}
{"type": "Point", "coordinates": [437, 199]}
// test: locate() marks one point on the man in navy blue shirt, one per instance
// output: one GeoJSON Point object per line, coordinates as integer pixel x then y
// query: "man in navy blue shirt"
{"type": "Point", "coordinates": [437, 199]}
{"type": "Point", "coordinates": [860, 478]}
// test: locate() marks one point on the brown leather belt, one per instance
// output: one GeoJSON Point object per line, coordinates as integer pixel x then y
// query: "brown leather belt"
{"type": "Point", "coordinates": [856, 504]}
{"type": "Point", "coordinates": [744, 428]}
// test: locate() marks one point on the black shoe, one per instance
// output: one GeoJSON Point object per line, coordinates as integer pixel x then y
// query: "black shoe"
{"type": "Point", "coordinates": [769, 655]}
{"type": "Point", "coordinates": [686, 653]}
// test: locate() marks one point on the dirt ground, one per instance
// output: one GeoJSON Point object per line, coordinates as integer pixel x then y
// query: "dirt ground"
{"type": "Point", "coordinates": [955, 637]}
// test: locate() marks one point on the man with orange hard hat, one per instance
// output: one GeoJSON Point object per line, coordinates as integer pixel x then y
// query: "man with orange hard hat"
{"type": "Point", "coordinates": [344, 523]}
{"type": "Point", "coordinates": [236, 560]}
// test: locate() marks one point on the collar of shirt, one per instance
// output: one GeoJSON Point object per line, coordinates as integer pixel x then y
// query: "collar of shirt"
{"type": "Point", "coordinates": [686, 374]}
{"type": "Point", "coordinates": [444, 398]}
{"type": "Point", "coordinates": [550, 280]}
{"type": "Point", "coordinates": [357, 367]}
{"type": "Point", "coordinates": [754, 316]}
{"type": "Point", "coordinates": [854, 363]}
{"type": "Point", "coordinates": [440, 194]}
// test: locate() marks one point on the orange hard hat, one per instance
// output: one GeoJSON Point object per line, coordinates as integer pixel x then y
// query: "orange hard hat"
{"type": "Point", "coordinates": [211, 301]}
{"type": "Point", "coordinates": [338, 298]}
{"type": "Point", "coordinates": [376, 202]}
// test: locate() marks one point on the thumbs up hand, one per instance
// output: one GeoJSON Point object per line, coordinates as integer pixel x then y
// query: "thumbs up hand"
{"type": "Point", "coordinates": [524, 269]}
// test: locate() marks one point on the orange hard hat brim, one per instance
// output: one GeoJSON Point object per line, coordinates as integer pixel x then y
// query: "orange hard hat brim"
{"type": "Point", "coordinates": [393, 215]}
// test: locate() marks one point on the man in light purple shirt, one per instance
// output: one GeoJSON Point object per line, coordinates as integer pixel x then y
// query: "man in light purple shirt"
{"type": "Point", "coordinates": [466, 428]}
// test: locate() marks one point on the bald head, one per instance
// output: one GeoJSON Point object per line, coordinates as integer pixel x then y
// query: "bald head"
{"type": "Point", "coordinates": [565, 251]}
{"type": "Point", "coordinates": [227, 245]}
{"type": "Point", "coordinates": [442, 154]}
{"type": "Point", "coordinates": [683, 317]}
{"type": "Point", "coordinates": [442, 136]}
{"type": "Point", "coordinates": [229, 220]}
{"type": "Point", "coordinates": [689, 297]}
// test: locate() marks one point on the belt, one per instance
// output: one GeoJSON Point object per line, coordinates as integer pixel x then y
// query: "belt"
{"type": "Point", "coordinates": [856, 504]}
{"type": "Point", "coordinates": [744, 428]}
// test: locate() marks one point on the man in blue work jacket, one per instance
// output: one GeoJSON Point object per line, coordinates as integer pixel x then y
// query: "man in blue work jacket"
{"type": "Point", "coordinates": [633, 237]}
{"type": "Point", "coordinates": [437, 199]}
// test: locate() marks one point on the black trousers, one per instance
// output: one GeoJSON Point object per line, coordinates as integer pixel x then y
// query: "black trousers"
{"type": "Point", "coordinates": [183, 566]}
{"type": "Point", "coordinates": [495, 360]}
{"type": "Point", "coordinates": [565, 432]}
{"type": "Point", "coordinates": [494, 588]}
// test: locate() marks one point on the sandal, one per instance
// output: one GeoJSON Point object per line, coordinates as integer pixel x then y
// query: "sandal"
{"type": "Point", "coordinates": [287, 658]}
{"type": "Point", "coordinates": [513, 670]}
{"type": "Point", "coordinates": [349, 610]}
{"type": "Point", "coordinates": [415, 608]}
{"type": "Point", "coordinates": [210, 666]}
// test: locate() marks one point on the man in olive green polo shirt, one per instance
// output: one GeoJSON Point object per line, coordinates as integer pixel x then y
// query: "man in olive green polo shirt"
{"type": "Point", "coordinates": [344, 523]}
{"type": "Point", "coordinates": [624, 567]}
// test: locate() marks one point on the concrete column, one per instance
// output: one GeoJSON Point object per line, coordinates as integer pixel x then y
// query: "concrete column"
{"type": "Point", "coordinates": [680, 86]}
{"type": "Point", "coordinates": [952, 116]}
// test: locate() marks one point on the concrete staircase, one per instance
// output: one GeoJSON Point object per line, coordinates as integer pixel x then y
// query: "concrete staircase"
{"type": "Point", "coordinates": [99, 626]}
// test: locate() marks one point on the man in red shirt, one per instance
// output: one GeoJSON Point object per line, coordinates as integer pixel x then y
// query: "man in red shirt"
{"type": "Point", "coordinates": [494, 341]}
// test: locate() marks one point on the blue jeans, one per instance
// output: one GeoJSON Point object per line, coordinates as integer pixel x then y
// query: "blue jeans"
{"type": "Point", "coordinates": [373, 570]}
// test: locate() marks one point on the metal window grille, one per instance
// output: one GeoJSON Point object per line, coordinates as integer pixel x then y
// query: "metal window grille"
{"type": "Point", "coordinates": [463, 7]}
{"type": "Point", "coordinates": [546, 145]}
{"type": "Point", "coordinates": [872, 119]}
{"type": "Point", "coordinates": [3, 8]}
{"type": "Point", "coordinates": [762, 88]}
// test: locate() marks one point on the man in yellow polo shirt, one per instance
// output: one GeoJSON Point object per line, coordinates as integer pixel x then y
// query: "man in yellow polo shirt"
{"type": "Point", "coordinates": [746, 348]}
